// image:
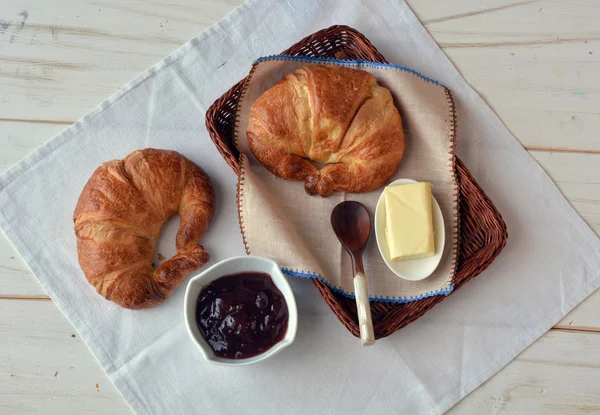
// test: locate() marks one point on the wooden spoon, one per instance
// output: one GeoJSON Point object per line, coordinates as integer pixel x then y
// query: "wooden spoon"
{"type": "Point", "coordinates": [352, 226]}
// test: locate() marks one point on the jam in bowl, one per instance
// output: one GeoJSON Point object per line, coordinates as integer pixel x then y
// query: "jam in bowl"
{"type": "Point", "coordinates": [241, 315]}
{"type": "Point", "coordinates": [240, 311]}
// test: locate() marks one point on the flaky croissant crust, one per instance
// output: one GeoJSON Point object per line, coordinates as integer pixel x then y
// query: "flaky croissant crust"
{"type": "Point", "coordinates": [328, 114]}
{"type": "Point", "coordinates": [118, 219]}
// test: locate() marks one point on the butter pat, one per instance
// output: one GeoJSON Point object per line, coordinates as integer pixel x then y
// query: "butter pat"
{"type": "Point", "coordinates": [408, 221]}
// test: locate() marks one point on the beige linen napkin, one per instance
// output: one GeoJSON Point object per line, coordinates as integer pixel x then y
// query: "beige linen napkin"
{"type": "Point", "coordinates": [280, 221]}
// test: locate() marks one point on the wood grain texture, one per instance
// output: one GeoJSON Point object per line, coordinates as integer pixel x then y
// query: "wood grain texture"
{"type": "Point", "coordinates": [57, 62]}
{"type": "Point", "coordinates": [558, 374]}
{"type": "Point", "coordinates": [577, 175]}
{"type": "Point", "coordinates": [547, 96]}
{"type": "Point", "coordinates": [18, 139]}
{"type": "Point", "coordinates": [46, 368]}
{"type": "Point", "coordinates": [534, 61]}
{"type": "Point", "coordinates": [540, 81]}
{"type": "Point", "coordinates": [15, 276]}
{"type": "Point", "coordinates": [585, 316]}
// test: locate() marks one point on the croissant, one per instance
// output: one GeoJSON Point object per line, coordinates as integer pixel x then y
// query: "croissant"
{"type": "Point", "coordinates": [118, 218]}
{"type": "Point", "coordinates": [327, 114]}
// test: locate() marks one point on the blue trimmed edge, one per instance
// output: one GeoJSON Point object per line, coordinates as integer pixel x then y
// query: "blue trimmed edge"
{"type": "Point", "coordinates": [387, 299]}
{"type": "Point", "coordinates": [343, 62]}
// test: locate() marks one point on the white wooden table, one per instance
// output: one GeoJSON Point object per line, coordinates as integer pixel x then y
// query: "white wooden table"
{"type": "Point", "coordinates": [536, 63]}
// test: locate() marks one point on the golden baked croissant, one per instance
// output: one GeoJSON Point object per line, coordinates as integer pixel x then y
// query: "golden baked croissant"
{"type": "Point", "coordinates": [328, 114]}
{"type": "Point", "coordinates": [118, 218]}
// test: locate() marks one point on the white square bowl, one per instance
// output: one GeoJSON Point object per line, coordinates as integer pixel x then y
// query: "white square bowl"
{"type": "Point", "coordinates": [230, 266]}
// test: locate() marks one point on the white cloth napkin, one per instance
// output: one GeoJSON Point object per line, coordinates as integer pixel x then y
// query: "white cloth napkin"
{"type": "Point", "coordinates": [551, 262]}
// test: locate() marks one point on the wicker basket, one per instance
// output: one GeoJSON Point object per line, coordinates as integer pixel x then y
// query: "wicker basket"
{"type": "Point", "coordinates": [482, 233]}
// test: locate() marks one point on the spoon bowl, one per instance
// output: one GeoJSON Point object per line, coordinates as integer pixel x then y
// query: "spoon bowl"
{"type": "Point", "coordinates": [351, 223]}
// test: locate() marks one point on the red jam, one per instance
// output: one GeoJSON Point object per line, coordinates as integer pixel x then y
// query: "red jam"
{"type": "Point", "coordinates": [242, 315]}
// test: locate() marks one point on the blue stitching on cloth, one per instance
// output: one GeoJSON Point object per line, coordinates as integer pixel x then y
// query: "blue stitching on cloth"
{"type": "Point", "coordinates": [343, 62]}
{"type": "Point", "coordinates": [387, 299]}
{"type": "Point", "coordinates": [348, 63]}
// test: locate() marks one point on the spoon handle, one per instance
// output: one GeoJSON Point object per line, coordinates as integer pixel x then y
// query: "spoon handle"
{"type": "Point", "coordinates": [363, 307]}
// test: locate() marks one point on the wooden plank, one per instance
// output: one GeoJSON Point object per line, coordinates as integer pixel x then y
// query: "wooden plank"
{"type": "Point", "coordinates": [558, 374]}
{"type": "Point", "coordinates": [432, 12]}
{"type": "Point", "coordinates": [546, 101]}
{"type": "Point", "coordinates": [58, 63]}
{"type": "Point", "coordinates": [577, 175]}
{"type": "Point", "coordinates": [508, 22]}
{"type": "Point", "coordinates": [19, 139]}
{"type": "Point", "coordinates": [15, 276]}
{"type": "Point", "coordinates": [47, 368]}
{"type": "Point", "coordinates": [584, 317]}
{"type": "Point", "coordinates": [535, 62]}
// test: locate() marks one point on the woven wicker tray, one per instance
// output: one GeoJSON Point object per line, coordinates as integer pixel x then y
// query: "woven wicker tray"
{"type": "Point", "coordinates": [482, 232]}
